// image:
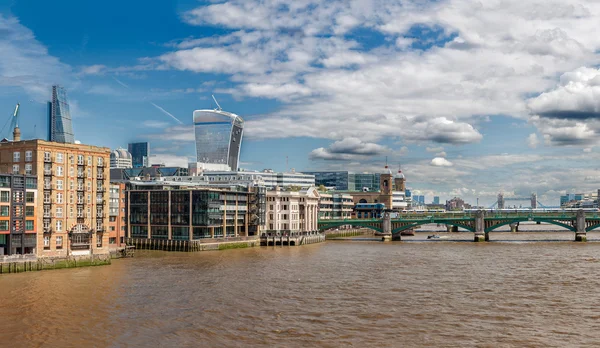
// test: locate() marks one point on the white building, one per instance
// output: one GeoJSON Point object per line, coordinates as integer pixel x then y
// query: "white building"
{"type": "Point", "coordinates": [270, 178]}
{"type": "Point", "coordinates": [293, 211]}
{"type": "Point", "coordinates": [120, 158]}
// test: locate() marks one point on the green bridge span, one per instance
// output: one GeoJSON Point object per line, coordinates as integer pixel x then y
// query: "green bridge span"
{"type": "Point", "coordinates": [480, 223]}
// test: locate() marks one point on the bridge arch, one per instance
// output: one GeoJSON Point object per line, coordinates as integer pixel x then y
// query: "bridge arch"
{"type": "Point", "coordinates": [553, 222]}
{"type": "Point", "coordinates": [329, 225]}
{"type": "Point", "coordinates": [588, 229]}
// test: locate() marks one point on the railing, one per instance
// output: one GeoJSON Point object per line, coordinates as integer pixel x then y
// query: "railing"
{"type": "Point", "coordinates": [47, 171]}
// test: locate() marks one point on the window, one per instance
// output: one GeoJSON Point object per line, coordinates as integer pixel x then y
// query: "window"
{"type": "Point", "coordinates": [28, 156]}
{"type": "Point", "coordinates": [59, 157]}
{"type": "Point", "coordinates": [47, 157]}
{"type": "Point", "coordinates": [99, 240]}
{"type": "Point", "coordinates": [71, 198]}
{"type": "Point", "coordinates": [47, 197]}
{"type": "Point", "coordinates": [89, 186]}
{"type": "Point", "coordinates": [80, 160]}
{"type": "Point", "coordinates": [59, 212]}
{"type": "Point", "coordinates": [59, 242]}
{"type": "Point", "coordinates": [89, 160]}
{"type": "Point", "coordinates": [100, 161]}
{"type": "Point", "coordinates": [28, 169]}
{"type": "Point", "coordinates": [30, 197]}
{"type": "Point", "coordinates": [58, 225]}
{"type": "Point", "coordinates": [112, 240]}
{"type": "Point", "coordinates": [59, 171]}
{"type": "Point", "coordinates": [28, 225]}
{"type": "Point", "coordinates": [59, 198]}
{"type": "Point", "coordinates": [29, 211]}
{"type": "Point", "coordinates": [71, 185]}
{"type": "Point", "coordinates": [59, 184]}
{"type": "Point", "coordinates": [4, 210]}
{"type": "Point", "coordinates": [16, 156]}
{"type": "Point", "coordinates": [15, 169]}
{"type": "Point", "coordinates": [46, 242]}
{"type": "Point", "coordinates": [71, 171]}
{"type": "Point", "coordinates": [71, 210]}
{"type": "Point", "coordinates": [4, 196]}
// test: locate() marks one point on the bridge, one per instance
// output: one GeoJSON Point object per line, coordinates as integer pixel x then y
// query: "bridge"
{"type": "Point", "coordinates": [481, 223]}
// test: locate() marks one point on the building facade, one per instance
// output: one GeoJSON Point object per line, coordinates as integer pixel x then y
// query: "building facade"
{"type": "Point", "coordinates": [140, 154]}
{"type": "Point", "coordinates": [218, 139]}
{"type": "Point", "coordinates": [18, 219]}
{"type": "Point", "coordinates": [347, 181]}
{"type": "Point", "coordinates": [120, 158]}
{"type": "Point", "coordinates": [333, 205]}
{"type": "Point", "coordinates": [171, 211]}
{"type": "Point", "coordinates": [292, 211]}
{"type": "Point", "coordinates": [72, 191]}
{"type": "Point", "coordinates": [116, 215]}
{"type": "Point", "coordinates": [60, 128]}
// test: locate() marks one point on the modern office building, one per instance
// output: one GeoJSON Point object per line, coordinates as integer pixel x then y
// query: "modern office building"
{"type": "Point", "coordinates": [72, 192]}
{"type": "Point", "coordinates": [271, 178]}
{"type": "Point", "coordinates": [120, 158]}
{"type": "Point", "coordinates": [140, 154]}
{"type": "Point", "coordinates": [347, 181]}
{"type": "Point", "coordinates": [185, 212]}
{"type": "Point", "coordinates": [334, 205]}
{"type": "Point", "coordinates": [60, 128]}
{"type": "Point", "coordinates": [292, 211]}
{"type": "Point", "coordinates": [436, 200]}
{"type": "Point", "coordinates": [218, 139]}
{"type": "Point", "coordinates": [18, 214]}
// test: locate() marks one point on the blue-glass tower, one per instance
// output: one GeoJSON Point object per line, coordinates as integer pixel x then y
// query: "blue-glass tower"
{"type": "Point", "coordinates": [140, 154]}
{"type": "Point", "coordinates": [59, 117]}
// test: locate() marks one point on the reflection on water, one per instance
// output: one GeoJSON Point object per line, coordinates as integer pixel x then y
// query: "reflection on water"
{"type": "Point", "coordinates": [361, 294]}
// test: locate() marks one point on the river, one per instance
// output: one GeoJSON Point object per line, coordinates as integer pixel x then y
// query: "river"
{"type": "Point", "coordinates": [512, 292]}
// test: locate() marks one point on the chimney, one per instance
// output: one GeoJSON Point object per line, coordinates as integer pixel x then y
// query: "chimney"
{"type": "Point", "coordinates": [16, 134]}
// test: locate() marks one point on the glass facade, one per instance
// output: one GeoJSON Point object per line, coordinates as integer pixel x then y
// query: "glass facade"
{"type": "Point", "coordinates": [59, 117]}
{"type": "Point", "coordinates": [347, 181]}
{"type": "Point", "coordinates": [218, 137]}
{"type": "Point", "coordinates": [204, 213]}
{"type": "Point", "coordinates": [140, 154]}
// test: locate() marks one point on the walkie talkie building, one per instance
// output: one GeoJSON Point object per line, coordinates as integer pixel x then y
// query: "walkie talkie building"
{"type": "Point", "coordinates": [59, 117]}
{"type": "Point", "coordinates": [218, 139]}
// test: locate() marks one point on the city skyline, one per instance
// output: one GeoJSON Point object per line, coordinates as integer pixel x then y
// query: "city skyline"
{"type": "Point", "coordinates": [468, 109]}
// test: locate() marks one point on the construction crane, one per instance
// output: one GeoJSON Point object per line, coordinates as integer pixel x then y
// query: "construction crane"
{"type": "Point", "coordinates": [15, 123]}
{"type": "Point", "coordinates": [216, 102]}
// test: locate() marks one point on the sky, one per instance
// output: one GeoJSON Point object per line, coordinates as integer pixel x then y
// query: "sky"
{"type": "Point", "coordinates": [470, 98]}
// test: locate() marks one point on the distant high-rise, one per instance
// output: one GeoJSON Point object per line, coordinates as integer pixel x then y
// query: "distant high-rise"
{"type": "Point", "coordinates": [436, 199]}
{"type": "Point", "coordinates": [59, 117]}
{"type": "Point", "coordinates": [218, 139]}
{"type": "Point", "coordinates": [140, 154]}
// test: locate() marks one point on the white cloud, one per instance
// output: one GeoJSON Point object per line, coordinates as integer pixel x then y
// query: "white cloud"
{"type": "Point", "coordinates": [441, 162]}
{"type": "Point", "coordinates": [170, 160]}
{"type": "Point", "coordinates": [441, 154]}
{"type": "Point", "coordinates": [348, 149]}
{"type": "Point", "coordinates": [532, 140]}
{"type": "Point", "coordinates": [26, 63]}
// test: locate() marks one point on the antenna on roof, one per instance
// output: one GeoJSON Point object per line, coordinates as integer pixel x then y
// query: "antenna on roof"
{"type": "Point", "coordinates": [216, 102]}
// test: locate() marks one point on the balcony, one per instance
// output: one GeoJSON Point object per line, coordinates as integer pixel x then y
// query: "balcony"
{"type": "Point", "coordinates": [47, 159]}
{"type": "Point", "coordinates": [100, 176]}
{"type": "Point", "coordinates": [100, 201]}
{"type": "Point", "coordinates": [47, 171]}
{"type": "Point", "coordinates": [99, 228]}
{"type": "Point", "coordinates": [47, 186]}
{"type": "Point", "coordinates": [81, 175]}
{"type": "Point", "coordinates": [100, 189]}
{"type": "Point", "coordinates": [101, 164]}
{"type": "Point", "coordinates": [80, 188]}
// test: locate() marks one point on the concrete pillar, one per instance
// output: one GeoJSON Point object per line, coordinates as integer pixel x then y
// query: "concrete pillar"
{"type": "Point", "coordinates": [480, 235]}
{"type": "Point", "coordinates": [449, 228]}
{"type": "Point", "coordinates": [580, 234]}
{"type": "Point", "coordinates": [514, 227]}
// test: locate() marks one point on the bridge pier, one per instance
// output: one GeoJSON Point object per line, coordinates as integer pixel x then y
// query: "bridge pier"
{"type": "Point", "coordinates": [480, 235]}
{"type": "Point", "coordinates": [514, 227]}
{"type": "Point", "coordinates": [387, 227]}
{"type": "Point", "coordinates": [451, 228]}
{"type": "Point", "coordinates": [580, 234]}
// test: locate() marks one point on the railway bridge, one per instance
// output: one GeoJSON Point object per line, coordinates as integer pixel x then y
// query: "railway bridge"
{"type": "Point", "coordinates": [481, 223]}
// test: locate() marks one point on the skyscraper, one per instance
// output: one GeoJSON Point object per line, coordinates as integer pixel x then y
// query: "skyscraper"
{"type": "Point", "coordinates": [140, 154]}
{"type": "Point", "coordinates": [218, 139]}
{"type": "Point", "coordinates": [59, 117]}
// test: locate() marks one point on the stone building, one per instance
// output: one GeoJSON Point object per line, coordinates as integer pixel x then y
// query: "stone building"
{"type": "Point", "coordinates": [116, 215]}
{"type": "Point", "coordinates": [292, 211]}
{"type": "Point", "coordinates": [333, 205]}
{"type": "Point", "coordinates": [72, 193]}
{"type": "Point", "coordinates": [18, 214]}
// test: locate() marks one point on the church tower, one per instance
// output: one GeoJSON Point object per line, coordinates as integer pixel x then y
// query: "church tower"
{"type": "Point", "coordinates": [400, 181]}
{"type": "Point", "coordinates": [385, 187]}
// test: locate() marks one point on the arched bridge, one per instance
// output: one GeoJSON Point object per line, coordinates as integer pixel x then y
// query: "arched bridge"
{"type": "Point", "coordinates": [478, 222]}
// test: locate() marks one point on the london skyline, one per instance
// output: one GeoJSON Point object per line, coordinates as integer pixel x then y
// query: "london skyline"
{"type": "Point", "coordinates": [470, 100]}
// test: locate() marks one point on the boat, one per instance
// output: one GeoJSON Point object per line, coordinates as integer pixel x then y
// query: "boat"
{"type": "Point", "coordinates": [433, 236]}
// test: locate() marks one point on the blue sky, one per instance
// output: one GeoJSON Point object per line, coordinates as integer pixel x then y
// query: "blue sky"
{"type": "Point", "coordinates": [471, 98]}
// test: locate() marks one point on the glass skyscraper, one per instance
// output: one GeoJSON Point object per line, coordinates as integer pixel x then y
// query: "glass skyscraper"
{"type": "Point", "coordinates": [140, 154]}
{"type": "Point", "coordinates": [59, 117]}
{"type": "Point", "coordinates": [218, 138]}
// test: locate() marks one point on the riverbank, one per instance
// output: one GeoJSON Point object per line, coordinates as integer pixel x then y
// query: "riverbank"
{"type": "Point", "coordinates": [42, 264]}
{"type": "Point", "coordinates": [194, 245]}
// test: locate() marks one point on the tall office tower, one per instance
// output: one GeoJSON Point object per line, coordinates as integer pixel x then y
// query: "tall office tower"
{"type": "Point", "coordinates": [59, 117]}
{"type": "Point", "coordinates": [218, 139]}
{"type": "Point", "coordinates": [140, 154]}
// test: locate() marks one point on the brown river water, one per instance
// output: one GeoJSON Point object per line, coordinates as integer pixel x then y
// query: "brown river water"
{"type": "Point", "coordinates": [511, 292]}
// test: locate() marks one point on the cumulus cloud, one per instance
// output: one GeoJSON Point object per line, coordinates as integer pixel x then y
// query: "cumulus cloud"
{"type": "Point", "coordinates": [348, 149]}
{"type": "Point", "coordinates": [441, 162]}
